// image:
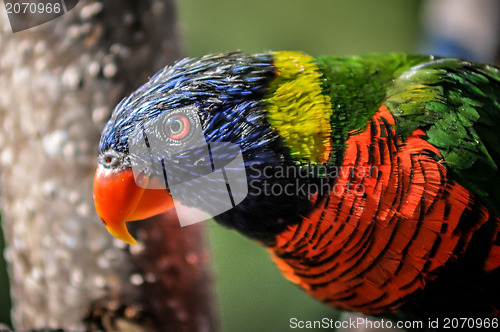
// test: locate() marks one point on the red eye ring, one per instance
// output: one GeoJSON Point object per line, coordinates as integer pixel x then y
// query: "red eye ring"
{"type": "Point", "coordinates": [177, 126]}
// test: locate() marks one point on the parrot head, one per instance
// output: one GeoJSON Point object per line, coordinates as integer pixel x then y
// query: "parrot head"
{"type": "Point", "coordinates": [220, 97]}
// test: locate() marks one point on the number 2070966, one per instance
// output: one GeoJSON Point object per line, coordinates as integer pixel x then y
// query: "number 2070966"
{"type": "Point", "coordinates": [33, 8]}
{"type": "Point", "coordinates": [454, 323]}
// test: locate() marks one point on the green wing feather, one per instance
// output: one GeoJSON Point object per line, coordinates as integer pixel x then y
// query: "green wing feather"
{"type": "Point", "coordinates": [457, 104]}
{"type": "Point", "coordinates": [357, 86]}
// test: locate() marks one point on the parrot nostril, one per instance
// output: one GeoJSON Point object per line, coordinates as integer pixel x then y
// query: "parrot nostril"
{"type": "Point", "coordinates": [111, 159]}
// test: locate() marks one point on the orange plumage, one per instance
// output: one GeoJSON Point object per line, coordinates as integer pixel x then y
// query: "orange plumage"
{"type": "Point", "coordinates": [366, 251]}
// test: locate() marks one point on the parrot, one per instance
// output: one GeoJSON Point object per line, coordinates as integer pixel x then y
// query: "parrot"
{"type": "Point", "coordinates": [373, 181]}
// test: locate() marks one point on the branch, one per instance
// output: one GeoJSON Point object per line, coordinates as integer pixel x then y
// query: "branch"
{"type": "Point", "coordinates": [59, 84]}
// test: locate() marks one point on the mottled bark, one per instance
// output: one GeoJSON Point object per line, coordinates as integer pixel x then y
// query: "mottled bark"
{"type": "Point", "coordinates": [59, 83]}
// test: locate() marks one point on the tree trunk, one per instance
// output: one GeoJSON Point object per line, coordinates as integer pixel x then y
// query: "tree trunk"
{"type": "Point", "coordinates": [59, 83]}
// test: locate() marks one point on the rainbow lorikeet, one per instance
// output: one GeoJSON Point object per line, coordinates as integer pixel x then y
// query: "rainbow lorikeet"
{"type": "Point", "coordinates": [373, 181]}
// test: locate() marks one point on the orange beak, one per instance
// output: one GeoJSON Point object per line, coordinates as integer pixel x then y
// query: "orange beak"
{"type": "Point", "coordinates": [119, 199]}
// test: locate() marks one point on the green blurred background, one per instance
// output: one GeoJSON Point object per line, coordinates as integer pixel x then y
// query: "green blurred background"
{"type": "Point", "coordinates": [251, 293]}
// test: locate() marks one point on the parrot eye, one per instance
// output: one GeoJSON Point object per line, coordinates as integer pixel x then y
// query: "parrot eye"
{"type": "Point", "coordinates": [177, 126]}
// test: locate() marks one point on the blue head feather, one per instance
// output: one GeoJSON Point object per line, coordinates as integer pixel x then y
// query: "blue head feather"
{"type": "Point", "coordinates": [228, 91]}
